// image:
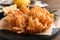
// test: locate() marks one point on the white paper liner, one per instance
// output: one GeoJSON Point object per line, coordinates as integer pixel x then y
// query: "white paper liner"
{"type": "Point", "coordinates": [47, 32]}
{"type": "Point", "coordinates": [4, 25]}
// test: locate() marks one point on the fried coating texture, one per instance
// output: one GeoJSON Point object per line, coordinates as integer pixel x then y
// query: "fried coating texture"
{"type": "Point", "coordinates": [34, 20]}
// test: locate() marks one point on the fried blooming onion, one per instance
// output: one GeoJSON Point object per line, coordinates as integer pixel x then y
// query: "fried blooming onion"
{"type": "Point", "coordinates": [25, 20]}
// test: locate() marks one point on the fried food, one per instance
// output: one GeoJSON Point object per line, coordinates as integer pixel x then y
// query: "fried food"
{"type": "Point", "coordinates": [34, 20]}
{"type": "Point", "coordinates": [24, 9]}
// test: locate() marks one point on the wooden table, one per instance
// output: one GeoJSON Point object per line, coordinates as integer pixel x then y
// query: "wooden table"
{"type": "Point", "coordinates": [53, 5]}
